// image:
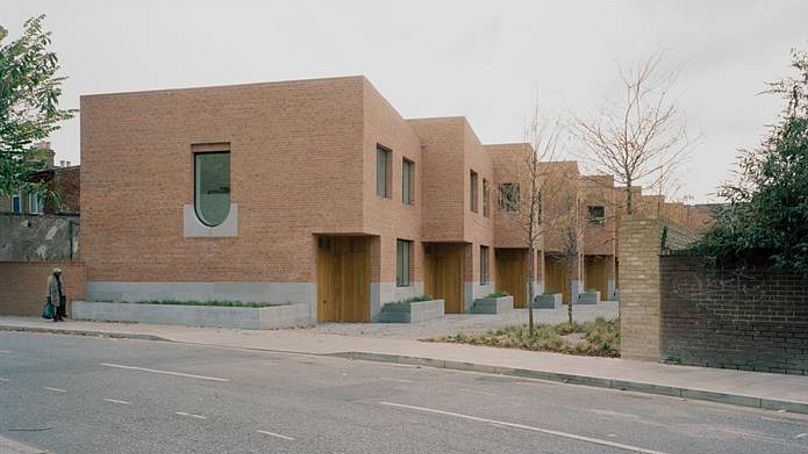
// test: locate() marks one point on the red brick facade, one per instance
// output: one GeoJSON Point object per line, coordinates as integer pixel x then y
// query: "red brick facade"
{"type": "Point", "coordinates": [303, 166]}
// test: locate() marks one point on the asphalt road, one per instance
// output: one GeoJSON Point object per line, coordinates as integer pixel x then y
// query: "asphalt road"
{"type": "Point", "coordinates": [73, 394]}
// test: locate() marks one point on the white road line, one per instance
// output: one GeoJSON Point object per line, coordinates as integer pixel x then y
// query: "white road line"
{"type": "Point", "coordinates": [273, 434]}
{"type": "Point", "coordinates": [155, 371]}
{"type": "Point", "coordinates": [400, 380]}
{"type": "Point", "coordinates": [3, 379]}
{"type": "Point", "coordinates": [182, 413]}
{"type": "Point", "coordinates": [483, 393]}
{"type": "Point", "coordinates": [5, 351]}
{"type": "Point", "coordinates": [57, 390]}
{"type": "Point", "coordinates": [557, 433]}
{"type": "Point", "coordinates": [115, 401]}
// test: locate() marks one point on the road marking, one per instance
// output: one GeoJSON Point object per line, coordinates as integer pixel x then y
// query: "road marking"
{"type": "Point", "coordinates": [400, 380]}
{"type": "Point", "coordinates": [166, 372]}
{"type": "Point", "coordinates": [182, 413]}
{"type": "Point", "coordinates": [556, 433]}
{"type": "Point", "coordinates": [5, 351]}
{"type": "Point", "coordinates": [468, 390]}
{"type": "Point", "coordinates": [798, 436]}
{"type": "Point", "coordinates": [115, 401]}
{"type": "Point", "coordinates": [273, 434]}
{"type": "Point", "coordinates": [57, 390]}
{"type": "Point", "coordinates": [3, 379]}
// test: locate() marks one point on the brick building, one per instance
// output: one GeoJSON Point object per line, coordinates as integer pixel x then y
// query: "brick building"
{"type": "Point", "coordinates": [63, 180]}
{"type": "Point", "coordinates": [313, 191]}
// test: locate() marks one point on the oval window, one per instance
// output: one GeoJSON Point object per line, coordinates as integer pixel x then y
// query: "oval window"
{"type": "Point", "coordinates": [212, 187]}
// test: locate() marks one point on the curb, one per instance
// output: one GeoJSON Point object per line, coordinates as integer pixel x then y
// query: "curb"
{"type": "Point", "coordinates": [82, 332]}
{"type": "Point", "coordinates": [597, 382]}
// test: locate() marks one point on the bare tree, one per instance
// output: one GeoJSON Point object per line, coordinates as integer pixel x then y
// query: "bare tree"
{"type": "Point", "coordinates": [562, 221]}
{"type": "Point", "coordinates": [643, 138]}
{"type": "Point", "coordinates": [524, 199]}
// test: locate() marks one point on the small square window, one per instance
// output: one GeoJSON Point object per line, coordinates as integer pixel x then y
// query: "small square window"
{"type": "Point", "coordinates": [597, 214]}
{"type": "Point", "coordinates": [509, 197]}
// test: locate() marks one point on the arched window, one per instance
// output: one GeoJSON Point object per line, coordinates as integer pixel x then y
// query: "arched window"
{"type": "Point", "coordinates": [212, 186]}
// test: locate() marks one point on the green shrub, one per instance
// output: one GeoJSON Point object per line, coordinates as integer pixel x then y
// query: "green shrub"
{"type": "Point", "coordinates": [598, 338]}
{"type": "Point", "coordinates": [414, 299]}
{"type": "Point", "coordinates": [210, 303]}
{"type": "Point", "coordinates": [551, 291]}
{"type": "Point", "coordinates": [497, 295]}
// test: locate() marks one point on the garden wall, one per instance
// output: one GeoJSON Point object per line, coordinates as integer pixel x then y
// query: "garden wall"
{"type": "Point", "coordinates": [674, 309]}
{"type": "Point", "coordinates": [750, 320]}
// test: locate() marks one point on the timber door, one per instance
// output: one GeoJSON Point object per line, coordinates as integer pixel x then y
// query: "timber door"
{"type": "Point", "coordinates": [596, 276]}
{"type": "Point", "coordinates": [556, 276]}
{"type": "Point", "coordinates": [343, 279]}
{"type": "Point", "coordinates": [511, 274]}
{"type": "Point", "coordinates": [443, 277]}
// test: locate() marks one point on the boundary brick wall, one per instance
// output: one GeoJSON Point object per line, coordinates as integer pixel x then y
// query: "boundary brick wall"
{"type": "Point", "coordinates": [753, 319]}
{"type": "Point", "coordinates": [23, 285]}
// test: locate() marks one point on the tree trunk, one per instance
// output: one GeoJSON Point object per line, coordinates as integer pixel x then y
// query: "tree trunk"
{"type": "Point", "coordinates": [530, 290]}
{"type": "Point", "coordinates": [571, 290]}
{"type": "Point", "coordinates": [628, 197]}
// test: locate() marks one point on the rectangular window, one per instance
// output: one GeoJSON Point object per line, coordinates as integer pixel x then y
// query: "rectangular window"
{"type": "Point", "coordinates": [383, 171]}
{"type": "Point", "coordinates": [473, 188]}
{"type": "Point", "coordinates": [486, 198]}
{"type": "Point", "coordinates": [35, 203]}
{"type": "Point", "coordinates": [484, 265]}
{"type": "Point", "coordinates": [403, 263]}
{"type": "Point", "coordinates": [16, 203]}
{"type": "Point", "coordinates": [212, 187]}
{"type": "Point", "coordinates": [597, 214]}
{"type": "Point", "coordinates": [508, 196]}
{"type": "Point", "coordinates": [407, 179]}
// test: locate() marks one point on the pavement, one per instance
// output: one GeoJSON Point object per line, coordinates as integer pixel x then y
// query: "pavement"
{"type": "Point", "coordinates": [91, 395]}
{"type": "Point", "coordinates": [751, 389]}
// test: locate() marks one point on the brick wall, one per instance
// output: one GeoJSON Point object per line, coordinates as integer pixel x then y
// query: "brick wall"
{"type": "Point", "coordinates": [750, 320]}
{"type": "Point", "coordinates": [23, 285]}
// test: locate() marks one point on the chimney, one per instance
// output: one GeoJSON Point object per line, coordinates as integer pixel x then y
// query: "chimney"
{"type": "Point", "coordinates": [67, 164]}
{"type": "Point", "coordinates": [49, 154]}
{"type": "Point", "coordinates": [61, 163]}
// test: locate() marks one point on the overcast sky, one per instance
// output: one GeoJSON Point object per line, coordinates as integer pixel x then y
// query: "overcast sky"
{"type": "Point", "coordinates": [483, 60]}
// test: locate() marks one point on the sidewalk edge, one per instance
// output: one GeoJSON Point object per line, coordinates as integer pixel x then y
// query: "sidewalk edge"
{"type": "Point", "coordinates": [584, 380]}
{"type": "Point", "coordinates": [83, 332]}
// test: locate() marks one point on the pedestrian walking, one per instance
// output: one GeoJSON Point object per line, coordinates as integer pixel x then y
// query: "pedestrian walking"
{"type": "Point", "coordinates": [56, 295]}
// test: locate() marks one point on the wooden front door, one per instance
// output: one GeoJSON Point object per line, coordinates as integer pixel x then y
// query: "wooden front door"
{"type": "Point", "coordinates": [343, 279]}
{"type": "Point", "coordinates": [443, 277]}
{"type": "Point", "coordinates": [556, 276]}
{"type": "Point", "coordinates": [596, 275]}
{"type": "Point", "coordinates": [512, 274]}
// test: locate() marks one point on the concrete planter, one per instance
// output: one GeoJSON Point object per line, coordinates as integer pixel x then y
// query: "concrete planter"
{"type": "Point", "coordinates": [212, 316]}
{"type": "Point", "coordinates": [411, 312]}
{"type": "Point", "coordinates": [497, 305]}
{"type": "Point", "coordinates": [588, 298]}
{"type": "Point", "coordinates": [548, 301]}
